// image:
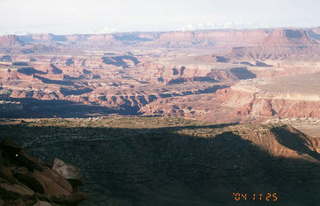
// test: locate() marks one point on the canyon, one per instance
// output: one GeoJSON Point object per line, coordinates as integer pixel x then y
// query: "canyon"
{"type": "Point", "coordinates": [169, 118]}
{"type": "Point", "coordinates": [196, 74]}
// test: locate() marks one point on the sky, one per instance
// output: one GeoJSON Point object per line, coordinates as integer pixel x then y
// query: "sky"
{"type": "Point", "coordinates": [108, 16]}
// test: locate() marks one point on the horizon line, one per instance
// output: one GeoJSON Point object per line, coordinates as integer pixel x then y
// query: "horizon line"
{"type": "Point", "coordinates": [164, 31]}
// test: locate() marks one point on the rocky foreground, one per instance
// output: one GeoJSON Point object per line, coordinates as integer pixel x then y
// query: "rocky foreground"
{"type": "Point", "coordinates": [160, 161]}
{"type": "Point", "coordinates": [27, 181]}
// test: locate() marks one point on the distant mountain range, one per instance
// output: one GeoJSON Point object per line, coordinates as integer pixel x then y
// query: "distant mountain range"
{"type": "Point", "coordinates": [283, 36]}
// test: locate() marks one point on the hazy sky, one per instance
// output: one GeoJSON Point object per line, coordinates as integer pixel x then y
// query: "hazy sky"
{"type": "Point", "coordinates": [103, 16]}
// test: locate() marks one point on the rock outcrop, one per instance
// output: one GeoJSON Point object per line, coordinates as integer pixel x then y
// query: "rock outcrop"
{"type": "Point", "coordinates": [27, 181]}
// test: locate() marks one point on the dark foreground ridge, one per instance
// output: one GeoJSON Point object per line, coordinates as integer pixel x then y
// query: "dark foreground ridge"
{"type": "Point", "coordinates": [27, 181]}
{"type": "Point", "coordinates": [195, 165]}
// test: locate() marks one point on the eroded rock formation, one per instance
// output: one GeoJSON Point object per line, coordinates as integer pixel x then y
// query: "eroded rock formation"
{"type": "Point", "coordinates": [27, 181]}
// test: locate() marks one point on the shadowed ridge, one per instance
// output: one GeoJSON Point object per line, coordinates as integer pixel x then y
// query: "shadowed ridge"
{"type": "Point", "coordinates": [192, 165]}
{"type": "Point", "coordinates": [295, 140]}
{"type": "Point", "coordinates": [213, 126]}
{"type": "Point", "coordinates": [34, 108]}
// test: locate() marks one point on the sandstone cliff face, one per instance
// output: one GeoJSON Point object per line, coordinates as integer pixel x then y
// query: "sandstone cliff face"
{"type": "Point", "coordinates": [247, 38]}
{"type": "Point", "coordinates": [250, 100]}
{"type": "Point", "coordinates": [254, 105]}
{"type": "Point", "coordinates": [282, 37]}
{"type": "Point", "coordinates": [9, 41]}
{"type": "Point", "coordinates": [234, 38]}
{"type": "Point", "coordinates": [280, 44]}
{"type": "Point", "coordinates": [215, 38]}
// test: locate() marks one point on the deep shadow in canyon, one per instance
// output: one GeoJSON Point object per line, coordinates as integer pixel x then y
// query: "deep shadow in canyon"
{"type": "Point", "coordinates": [34, 108]}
